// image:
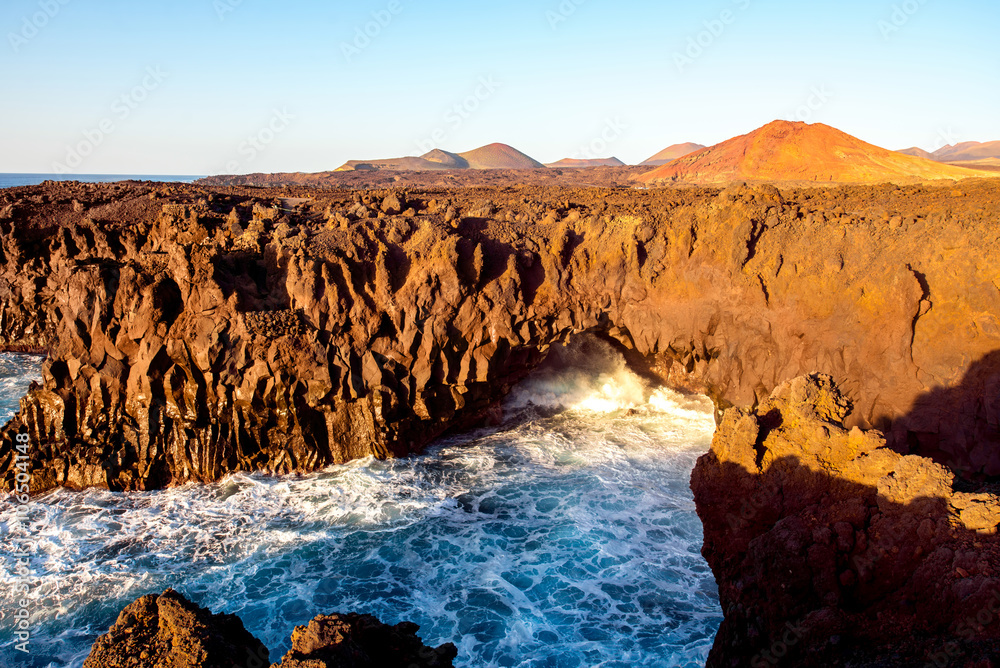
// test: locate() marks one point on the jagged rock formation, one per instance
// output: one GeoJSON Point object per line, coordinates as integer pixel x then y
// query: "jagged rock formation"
{"type": "Point", "coordinates": [832, 550]}
{"type": "Point", "coordinates": [169, 631]}
{"type": "Point", "coordinates": [194, 332]}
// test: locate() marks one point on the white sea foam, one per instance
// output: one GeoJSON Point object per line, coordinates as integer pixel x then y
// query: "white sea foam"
{"type": "Point", "coordinates": [564, 538]}
{"type": "Point", "coordinates": [16, 374]}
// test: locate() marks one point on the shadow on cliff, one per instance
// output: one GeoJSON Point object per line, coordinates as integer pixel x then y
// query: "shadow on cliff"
{"type": "Point", "coordinates": [258, 281]}
{"type": "Point", "coordinates": [957, 426]}
{"type": "Point", "coordinates": [818, 570]}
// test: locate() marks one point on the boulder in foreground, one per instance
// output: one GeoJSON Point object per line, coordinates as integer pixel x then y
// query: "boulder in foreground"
{"type": "Point", "coordinates": [169, 631]}
{"type": "Point", "coordinates": [362, 641]}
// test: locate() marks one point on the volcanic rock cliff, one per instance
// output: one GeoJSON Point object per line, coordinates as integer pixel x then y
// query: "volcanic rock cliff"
{"type": "Point", "coordinates": [193, 332]}
{"type": "Point", "coordinates": [830, 549]}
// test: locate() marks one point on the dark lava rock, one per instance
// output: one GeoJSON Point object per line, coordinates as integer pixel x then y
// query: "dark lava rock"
{"type": "Point", "coordinates": [362, 641]}
{"type": "Point", "coordinates": [178, 353]}
{"type": "Point", "coordinates": [168, 631]}
{"type": "Point", "coordinates": [831, 549]}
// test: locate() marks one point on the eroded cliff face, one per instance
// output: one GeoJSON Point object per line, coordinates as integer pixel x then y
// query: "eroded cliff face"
{"type": "Point", "coordinates": [192, 332]}
{"type": "Point", "coordinates": [831, 549]}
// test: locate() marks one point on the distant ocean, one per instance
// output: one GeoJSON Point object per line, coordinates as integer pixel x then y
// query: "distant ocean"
{"type": "Point", "coordinates": [16, 180]}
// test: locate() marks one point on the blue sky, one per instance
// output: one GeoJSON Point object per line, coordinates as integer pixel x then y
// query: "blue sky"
{"type": "Point", "coordinates": [210, 86]}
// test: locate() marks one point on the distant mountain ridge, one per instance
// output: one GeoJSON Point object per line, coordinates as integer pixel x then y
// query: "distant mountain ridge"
{"type": "Point", "coordinates": [671, 153]}
{"type": "Point", "coordinates": [917, 152]}
{"type": "Point", "coordinates": [580, 163]}
{"type": "Point", "coordinates": [965, 152]}
{"type": "Point", "coordinates": [788, 151]}
{"type": "Point", "coordinates": [491, 156]}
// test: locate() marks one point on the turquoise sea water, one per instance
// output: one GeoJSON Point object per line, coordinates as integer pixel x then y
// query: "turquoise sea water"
{"type": "Point", "coordinates": [567, 537]}
{"type": "Point", "coordinates": [10, 180]}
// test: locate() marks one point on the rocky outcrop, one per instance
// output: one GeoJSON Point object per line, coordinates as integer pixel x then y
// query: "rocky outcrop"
{"type": "Point", "coordinates": [362, 641]}
{"type": "Point", "coordinates": [194, 332]}
{"type": "Point", "coordinates": [168, 631]}
{"type": "Point", "coordinates": [831, 549]}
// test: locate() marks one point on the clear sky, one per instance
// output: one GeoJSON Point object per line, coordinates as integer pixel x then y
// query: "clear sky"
{"type": "Point", "coordinates": [212, 86]}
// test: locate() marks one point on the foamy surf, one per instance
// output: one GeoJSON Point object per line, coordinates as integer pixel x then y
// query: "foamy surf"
{"type": "Point", "coordinates": [568, 537]}
{"type": "Point", "coordinates": [16, 373]}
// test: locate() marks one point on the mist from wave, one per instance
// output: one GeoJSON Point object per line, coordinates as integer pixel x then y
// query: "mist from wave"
{"type": "Point", "coordinates": [566, 537]}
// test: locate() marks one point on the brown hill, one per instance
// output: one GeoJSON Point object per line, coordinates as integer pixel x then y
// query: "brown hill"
{"type": "Point", "coordinates": [799, 152]}
{"type": "Point", "coordinates": [493, 156]}
{"type": "Point", "coordinates": [917, 152]}
{"type": "Point", "coordinates": [579, 163]}
{"type": "Point", "coordinates": [409, 164]}
{"type": "Point", "coordinates": [965, 153]}
{"type": "Point", "coordinates": [970, 150]}
{"type": "Point", "coordinates": [446, 158]}
{"type": "Point", "coordinates": [671, 153]}
{"type": "Point", "coordinates": [499, 156]}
